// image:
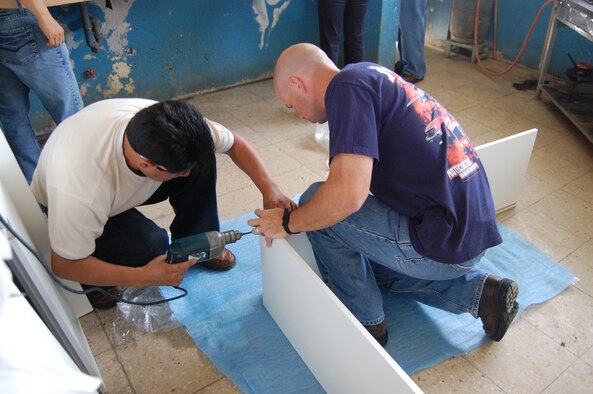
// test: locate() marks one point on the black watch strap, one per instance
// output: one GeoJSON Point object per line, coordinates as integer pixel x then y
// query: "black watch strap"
{"type": "Point", "coordinates": [285, 220]}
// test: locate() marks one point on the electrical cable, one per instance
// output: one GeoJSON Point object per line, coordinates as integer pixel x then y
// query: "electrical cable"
{"type": "Point", "coordinates": [91, 289]}
{"type": "Point", "coordinates": [501, 73]}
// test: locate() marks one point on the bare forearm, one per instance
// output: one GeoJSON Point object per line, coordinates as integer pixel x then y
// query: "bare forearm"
{"type": "Point", "coordinates": [94, 271]}
{"type": "Point", "coordinates": [48, 25]}
{"type": "Point", "coordinates": [38, 8]}
{"type": "Point", "coordinates": [247, 159]}
{"type": "Point", "coordinates": [344, 192]}
{"type": "Point", "coordinates": [325, 209]}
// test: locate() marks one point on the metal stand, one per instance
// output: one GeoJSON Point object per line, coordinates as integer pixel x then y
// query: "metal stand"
{"type": "Point", "coordinates": [578, 16]}
{"type": "Point", "coordinates": [483, 49]}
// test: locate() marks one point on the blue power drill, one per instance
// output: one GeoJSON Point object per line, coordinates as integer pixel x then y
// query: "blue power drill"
{"type": "Point", "coordinates": [202, 246]}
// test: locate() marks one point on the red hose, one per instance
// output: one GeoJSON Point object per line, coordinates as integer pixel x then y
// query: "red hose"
{"type": "Point", "coordinates": [498, 74]}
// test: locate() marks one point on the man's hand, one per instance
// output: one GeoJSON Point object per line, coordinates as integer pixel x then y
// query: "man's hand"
{"type": "Point", "coordinates": [52, 30]}
{"type": "Point", "coordinates": [276, 199]}
{"type": "Point", "coordinates": [268, 224]}
{"type": "Point", "coordinates": [160, 273]}
{"type": "Point", "coordinates": [48, 25]}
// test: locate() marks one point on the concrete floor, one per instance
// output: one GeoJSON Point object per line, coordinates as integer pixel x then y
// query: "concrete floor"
{"type": "Point", "coordinates": [549, 349]}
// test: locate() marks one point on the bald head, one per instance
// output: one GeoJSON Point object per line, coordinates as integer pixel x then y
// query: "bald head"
{"type": "Point", "coordinates": [302, 74]}
{"type": "Point", "coordinates": [302, 59]}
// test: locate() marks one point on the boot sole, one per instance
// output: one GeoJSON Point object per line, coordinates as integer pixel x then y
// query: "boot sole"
{"type": "Point", "coordinates": [507, 293]}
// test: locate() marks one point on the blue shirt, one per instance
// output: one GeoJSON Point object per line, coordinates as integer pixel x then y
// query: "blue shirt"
{"type": "Point", "coordinates": [425, 166]}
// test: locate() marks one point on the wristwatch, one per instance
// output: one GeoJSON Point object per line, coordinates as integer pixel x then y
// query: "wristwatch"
{"type": "Point", "coordinates": [285, 220]}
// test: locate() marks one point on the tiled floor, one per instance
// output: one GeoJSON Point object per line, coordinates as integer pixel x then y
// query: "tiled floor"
{"type": "Point", "coordinates": [549, 349]}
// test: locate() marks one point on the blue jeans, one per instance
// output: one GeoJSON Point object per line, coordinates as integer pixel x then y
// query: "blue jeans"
{"type": "Point", "coordinates": [371, 250]}
{"type": "Point", "coordinates": [27, 63]}
{"type": "Point", "coordinates": [410, 39]}
{"type": "Point", "coordinates": [335, 15]}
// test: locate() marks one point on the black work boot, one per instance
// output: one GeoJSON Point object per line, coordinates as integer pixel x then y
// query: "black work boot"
{"type": "Point", "coordinates": [498, 306]}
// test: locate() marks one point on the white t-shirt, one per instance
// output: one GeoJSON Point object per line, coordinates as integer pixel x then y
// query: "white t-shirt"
{"type": "Point", "coordinates": [83, 179]}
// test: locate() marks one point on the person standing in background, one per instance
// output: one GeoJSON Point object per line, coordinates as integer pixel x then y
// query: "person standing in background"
{"type": "Point", "coordinates": [346, 15]}
{"type": "Point", "coordinates": [410, 40]}
{"type": "Point", "coordinates": [33, 56]}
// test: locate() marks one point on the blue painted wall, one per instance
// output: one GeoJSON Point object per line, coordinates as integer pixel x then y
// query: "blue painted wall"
{"type": "Point", "coordinates": [163, 49]}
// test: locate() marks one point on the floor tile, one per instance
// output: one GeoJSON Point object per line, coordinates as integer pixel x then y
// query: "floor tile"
{"type": "Point", "coordinates": [588, 356]}
{"type": "Point", "coordinates": [556, 241]}
{"type": "Point", "coordinates": [574, 148]}
{"type": "Point", "coordinates": [167, 362]}
{"type": "Point", "coordinates": [567, 211]}
{"type": "Point", "coordinates": [566, 319]}
{"type": "Point", "coordinates": [580, 264]}
{"type": "Point", "coordinates": [582, 187]}
{"type": "Point", "coordinates": [577, 379]}
{"type": "Point", "coordinates": [554, 169]}
{"type": "Point", "coordinates": [457, 375]}
{"type": "Point", "coordinates": [222, 386]}
{"type": "Point", "coordinates": [113, 374]}
{"type": "Point", "coordinates": [232, 97]}
{"type": "Point", "coordinates": [95, 334]}
{"type": "Point", "coordinates": [525, 361]}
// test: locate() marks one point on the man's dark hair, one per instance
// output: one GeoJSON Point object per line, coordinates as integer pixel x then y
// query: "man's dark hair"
{"type": "Point", "coordinates": [173, 134]}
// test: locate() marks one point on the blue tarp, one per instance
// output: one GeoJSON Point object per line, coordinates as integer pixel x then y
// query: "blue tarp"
{"type": "Point", "coordinates": [225, 316]}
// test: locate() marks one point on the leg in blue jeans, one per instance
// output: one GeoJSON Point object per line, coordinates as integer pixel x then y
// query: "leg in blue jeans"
{"type": "Point", "coordinates": [27, 63]}
{"type": "Point", "coordinates": [371, 248]}
{"type": "Point", "coordinates": [412, 29]}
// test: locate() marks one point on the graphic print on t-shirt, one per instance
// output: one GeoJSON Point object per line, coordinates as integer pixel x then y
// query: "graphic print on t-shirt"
{"type": "Point", "coordinates": [461, 154]}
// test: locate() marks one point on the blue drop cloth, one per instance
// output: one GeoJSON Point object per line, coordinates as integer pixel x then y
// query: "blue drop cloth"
{"type": "Point", "coordinates": [225, 316]}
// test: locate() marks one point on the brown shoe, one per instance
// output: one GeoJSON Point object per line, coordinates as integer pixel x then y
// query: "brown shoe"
{"type": "Point", "coordinates": [410, 78]}
{"type": "Point", "coordinates": [100, 300]}
{"type": "Point", "coordinates": [224, 262]}
{"type": "Point", "coordinates": [498, 306]}
{"type": "Point", "coordinates": [379, 332]}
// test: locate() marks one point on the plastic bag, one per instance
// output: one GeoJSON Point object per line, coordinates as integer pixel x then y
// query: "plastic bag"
{"type": "Point", "coordinates": [146, 318]}
{"type": "Point", "coordinates": [322, 134]}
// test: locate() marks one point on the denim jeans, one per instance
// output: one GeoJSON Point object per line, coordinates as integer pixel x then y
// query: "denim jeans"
{"type": "Point", "coordinates": [335, 15]}
{"type": "Point", "coordinates": [410, 39]}
{"type": "Point", "coordinates": [371, 250]}
{"type": "Point", "coordinates": [27, 63]}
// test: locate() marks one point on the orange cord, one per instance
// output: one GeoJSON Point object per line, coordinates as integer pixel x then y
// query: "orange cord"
{"type": "Point", "coordinates": [498, 74]}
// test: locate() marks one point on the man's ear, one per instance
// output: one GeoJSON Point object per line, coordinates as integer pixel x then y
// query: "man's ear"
{"type": "Point", "coordinates": [143, 164]}
{"type": "Point", "coordinates": [297, 83]}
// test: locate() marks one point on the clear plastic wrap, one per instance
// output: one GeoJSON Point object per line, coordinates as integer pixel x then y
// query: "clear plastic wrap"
{"type": "Point", "coordinates": [322, 134]}
{"type": "Point", "coordinates": [146, 318]}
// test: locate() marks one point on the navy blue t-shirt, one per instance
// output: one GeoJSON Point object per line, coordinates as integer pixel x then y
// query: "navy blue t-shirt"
{"type": "Point", "coordinates": [425, 166]}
